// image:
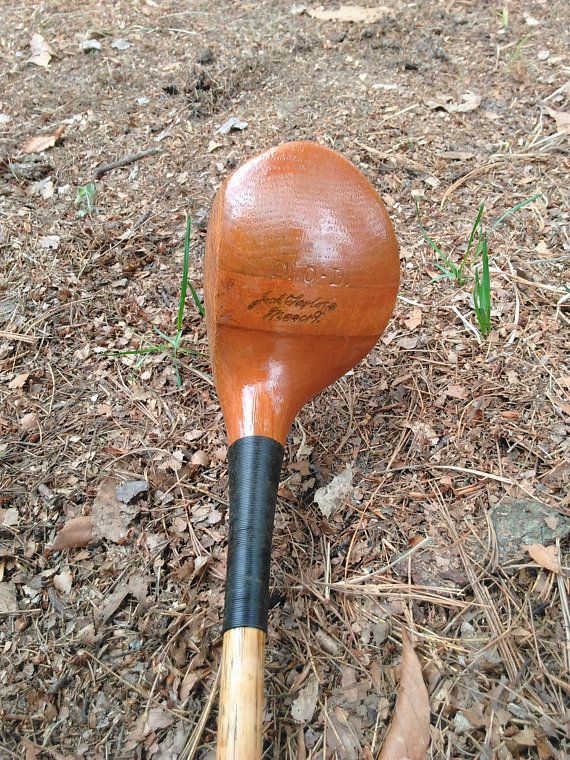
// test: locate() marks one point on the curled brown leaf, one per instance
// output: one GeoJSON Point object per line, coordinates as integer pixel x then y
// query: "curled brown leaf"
{"type": "Point", "coordinates": [408, 735]}
{"type": "Point", "coordinates": [76, 533]}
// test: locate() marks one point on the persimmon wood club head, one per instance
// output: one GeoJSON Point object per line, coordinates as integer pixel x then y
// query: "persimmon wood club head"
{"type": "Point", "coordinates": [301, 276]}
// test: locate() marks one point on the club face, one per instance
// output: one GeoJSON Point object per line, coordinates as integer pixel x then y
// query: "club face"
{"type": "Point", "coordinates": [301, 276]}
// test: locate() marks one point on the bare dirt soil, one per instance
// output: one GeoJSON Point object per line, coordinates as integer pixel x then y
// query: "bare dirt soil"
{"type": "Point", "coordinates": [458, 444]}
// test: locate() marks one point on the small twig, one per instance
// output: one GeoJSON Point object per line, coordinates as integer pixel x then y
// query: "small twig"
{"type": "Point", "coordinates": [104, 168]}
{"type": "Point", "coordinates": [17, 336]}
{"type": "Point", "coordinates": [193, 740]}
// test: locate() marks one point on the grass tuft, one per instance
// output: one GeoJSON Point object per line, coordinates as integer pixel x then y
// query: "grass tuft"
{"type": "Point", "coordinates": [172, 344]}
{"type": "Point", "coordinates": [476, 257]}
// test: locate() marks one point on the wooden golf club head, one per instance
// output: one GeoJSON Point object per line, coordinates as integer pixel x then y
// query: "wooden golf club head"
{"type": "Point", "coordinates": [301, 276]}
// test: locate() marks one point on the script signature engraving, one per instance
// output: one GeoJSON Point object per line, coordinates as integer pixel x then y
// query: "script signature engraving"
{"type": "Point", "coordinates": [289, 307]}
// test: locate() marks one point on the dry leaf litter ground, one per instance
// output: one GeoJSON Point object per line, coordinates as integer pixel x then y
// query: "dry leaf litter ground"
{"type": "Point", "coordinates": [458, 447]}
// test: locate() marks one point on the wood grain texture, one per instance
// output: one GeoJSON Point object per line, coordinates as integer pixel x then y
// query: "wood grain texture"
{"type": "Point", "coordinates": [301, 276]}
{"type": "Point", "coordinates": [241, 695]}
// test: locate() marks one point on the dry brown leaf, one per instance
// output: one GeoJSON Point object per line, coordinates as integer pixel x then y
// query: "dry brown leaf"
{"type": "Point", "coordinates": [78, 532]}
{"type": "Point", "coordinates": [457, 391]}
{"type": "Point", "coordinates": [304, 704]}
{"type": "Point", "coordinates": [562, 119]}
{"type": "Point", "coordinates": [200, 458]}
{"type": "Point", "coordinates": [39, 143]}
{"type": "Point", "coordinates": [352, 13]}
{"type": "Point", "coordinates": [408, 735]}
{"type": "Point", "coordinates": [9, 517]}
{"type": "Point", "coordinates": [19, 381]}
{"type": "Point", "coordinates": [31, 749]}
{"type": "Point", "coordinates": [414, 320]}
{"type": "Point", "coordinates": [8, 602]}
{"type": "Point", "coordinates": [330, 497]}
{"type": "Point", "coordinates": [545, 556]}
{"type": "Point", "coordinates": [64, 581]}
{"type": "Point", "coordinates": [157, 718]}
{"type": "Point", "coordinates": [469, 102]}
{"type": "Point", "coordinates": [29, 421]}
{"type": "Point", "coordinates": [109, 521]}
{"type": "Point", "coordinates": [41, 51]}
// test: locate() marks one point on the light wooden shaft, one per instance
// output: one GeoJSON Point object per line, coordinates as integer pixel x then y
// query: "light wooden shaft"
{"type": "Point", "coordinates": [241, 695]}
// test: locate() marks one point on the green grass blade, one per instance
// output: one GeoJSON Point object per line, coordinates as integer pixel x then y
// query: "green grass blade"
{"type": "Point", "coordinates": [513, 210]}
{"type": "Point", "coordinates": [186, 282]}
{"type": "Point", "coordinates": [476, 224]}
{"type": "Point", "coordinates": [482, 292]}
{"type": "Point", "coordinates": [185, 268]}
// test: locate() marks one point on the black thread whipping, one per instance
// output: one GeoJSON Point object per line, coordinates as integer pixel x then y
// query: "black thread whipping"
{"type": "Point", "coordinates": [254, 466]}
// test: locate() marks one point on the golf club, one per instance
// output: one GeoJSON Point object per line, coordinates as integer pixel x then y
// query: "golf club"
{"type": "Point", "coordinates": [301, 276]}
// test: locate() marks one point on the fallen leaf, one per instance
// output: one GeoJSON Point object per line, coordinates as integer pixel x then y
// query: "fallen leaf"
{"type": "Point", "coordinates": [9, 517]}
{"type": "Point", "coordinates": [76, 533]}
{"type": "Point", "coordinates": [41, 51]}
{"type": "Point", "coordinates": [407, 343]}
{"type": "Point", "coordinates": [469, 102]}
{"type": "Point", "coordinates": [562, 119]}
{"type": "Point", "coordinates": [50, 241]}
{"type": "Point", "coordinates": [232, 123]}
{"type": "Point", "coordinates": [108, 520]}
{"type": "Point", "coordinates": [331, 496]}
{"type": "Point", "coordinates": [414, 320]}
{"type": "Point", "coordinates": [19, 381]}
{"type": "Point", "coordinates": [40, 143]}
{"type": "Point", "coordinates": [545, 556]}
{"type": "Point", "coordinates": [63, 582]}
{"type": "Point", "coordinates": [188, 683]}
{"type": "Point", "coordinates": [157, 718]}
{"type": "Point", "coordinates": [29, 421]}
{"type": "Point", "coordinates": [351, 13]}
{"type": "Point", "coordinates": [31, 749]}
{"type": "Point", "coordinates": [8, 602]}
{"type": "Point", "coordinates": [408, 735]}
{"type": "Point", "coordinates": [305, 703]}
{"type": "Point", "coordinates": [457, 391]}
{"type": "Point", "coordinates": [201, 458]}
{"type": "Point", "coordinates": [5, 118]}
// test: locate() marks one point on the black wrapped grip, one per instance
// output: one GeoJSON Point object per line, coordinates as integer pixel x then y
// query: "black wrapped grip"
{"type": "Point", "coordinates": [254, 466]}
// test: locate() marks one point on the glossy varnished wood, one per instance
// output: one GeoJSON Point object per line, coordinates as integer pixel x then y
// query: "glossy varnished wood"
{"type": "Point", "coordinates": [301, 276]}
{"type": "Point", "coordinates": [241, 696]}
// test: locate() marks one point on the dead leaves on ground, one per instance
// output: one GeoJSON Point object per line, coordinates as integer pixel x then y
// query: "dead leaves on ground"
{"type": "Point", "coordinates": [110, 518]}
{"type": "Point", "coordinates": [351, 13]}
{"type": "Point", "coordinates": [41, 51]}
{"type": "Point", "coordinates": [39, 143]}
{"type": "Point", "coordinates": [545, 556]}
{"type": "Point", "coordinates": [469, 102]}
{"type": "Point", "coordinates": [75, 534]}
{"type": "Point", "coordinates": [408, 735]}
